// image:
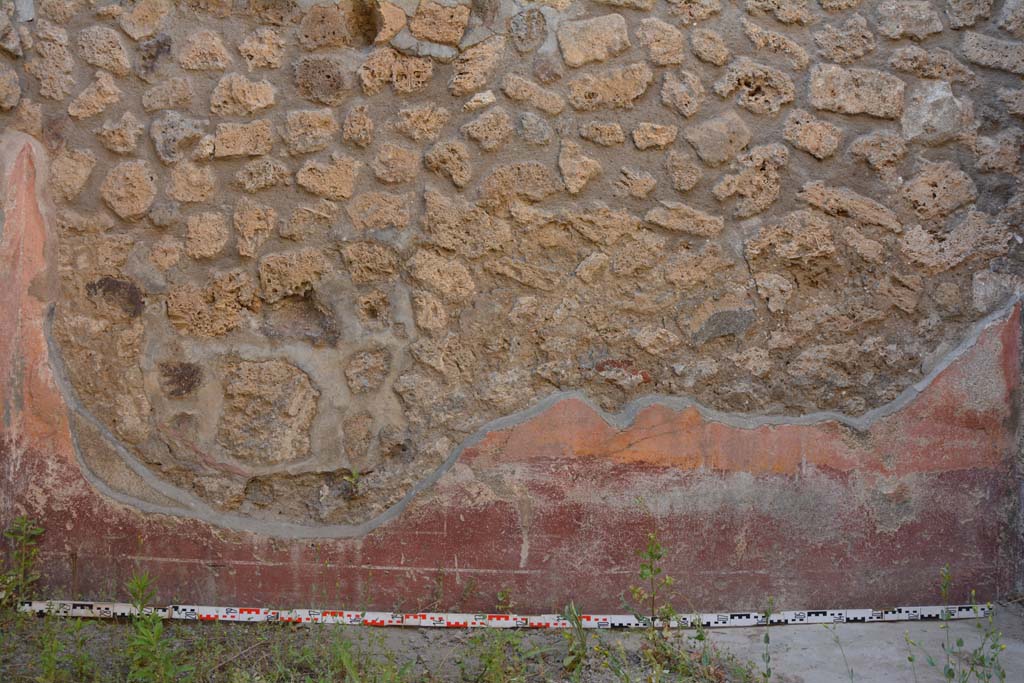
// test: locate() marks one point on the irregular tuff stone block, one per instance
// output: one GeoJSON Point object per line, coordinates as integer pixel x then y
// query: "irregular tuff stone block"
{"type": "Point", "coordinates": [762, 89]}
{"type": "Point", "coordinates": [439, 23]}
{"type": "Point", "coordinates": [994, 53]}
{"type": "Point", "coordinates": [243, 139]}
{"type": "Point", "coordinates": [101, 47]}
{"type": "Point", "coordinates": [613, 88]}
{"type": "Point", "coordinates": [664, 42]}
{"type": "Point", "coordinates": [334, 180]}
{"type": "Point", "coordinates": [593, 40]}
{"type": "Point", "coordinates": [679, 217]}
{"type": "Point", "coordinates": [934, 116]}
{"type": "Point", "coordinates": [720, 139]}
{"type": "Point", "coordinates": [856, 91]}
{"type": "Point", "coordinates": [915, 19]}
{"type": "Point", "coordinates": [818, 138]}
{"type": "Point", "coordinates": [129, 189]}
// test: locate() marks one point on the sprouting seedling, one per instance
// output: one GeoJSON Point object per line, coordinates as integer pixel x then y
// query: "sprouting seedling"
{"type": "Point", "coordinates": [576, 639]}
{"type": "Point", "coordinates": [16, 583]}
{"type": "Point", "coordinates": [655, 583]}
{"type": "Point", "coordinates": [766, 655]}
{"type": "Point", "coordinates": [506, 602]}
{"type": "Point", "coordinates": [151, 657]}
{"type": "Point", "coordinates": [352, 476]}
{"type": "Point", "coordinates": [842, 651]}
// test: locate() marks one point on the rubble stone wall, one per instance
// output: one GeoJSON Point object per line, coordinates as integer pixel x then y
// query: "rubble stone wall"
{"type": "Point", "coordinates": [306, 252]}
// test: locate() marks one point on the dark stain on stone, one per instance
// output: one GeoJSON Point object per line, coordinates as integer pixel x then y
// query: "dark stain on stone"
{"type": "Point", "coordinates": [55, 131]}
{"type": "Point", "coordinates": [396, 444]}
{"type": "Point", "coordinates": [323, 78]}
{"type": "Point", "coordinates": [259, 492]}
{"type": "Point", "coordinates": [725, 323]}
{"type": "Point", "coordinates": [275, 12]}
{"type": "Point", "coordinates": [121, 293]}
{"type": "Point", "coordinates": [301, 319]}
{"type": "Point", "coordinates": [180, 379]}
{"type": "Point", "coordinates": [150, 52]}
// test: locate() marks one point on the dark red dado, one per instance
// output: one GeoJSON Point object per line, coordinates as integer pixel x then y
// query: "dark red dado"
{"type": "Point", "coordinates": [554, 509]}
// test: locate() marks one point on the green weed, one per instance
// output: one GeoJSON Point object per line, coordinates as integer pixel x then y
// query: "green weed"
{"type": "Point", "coordinates": [50, 654]}
{"type": "Point", "coordinates": [576, 642]}
{"type": "Point", "coordinates": [356, 664]}
{"type": "Point", "coordinates": [506, 602]}
{"type": "Point", "coordinates": [982, 663]}
{"type": "Point", "coordinates": [653, 592]}
{"type": "Point", "coordinates": [766, 654]}
{"type": "Point", "coordinates": [151, 657]}
{"type": "Point", "coordinates": [500, 656]}
{"type": "Point", "coordinates": [615, 660]}
{"type": "Point", "coordinates": [842, 651]}
{"type": "Point", "coordinates": [77, 658]}
{"type": "Point", "coordinates": [668, 654]}
{"type": "Point", "coordinates": [17, 582]}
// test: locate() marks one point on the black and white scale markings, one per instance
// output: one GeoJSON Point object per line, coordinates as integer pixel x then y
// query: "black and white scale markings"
{"type": "Point", "coordinates": [112, 610]}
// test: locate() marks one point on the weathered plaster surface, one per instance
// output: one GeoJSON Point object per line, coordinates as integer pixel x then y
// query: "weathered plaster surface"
{"type": "Point", "coordinates": [284, 304]}
{"type": "Point", "coordinates": [811, 510]}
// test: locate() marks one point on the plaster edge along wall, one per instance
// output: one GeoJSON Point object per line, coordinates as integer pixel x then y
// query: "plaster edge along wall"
{"type": "Point", "coordinates": [812, 510]}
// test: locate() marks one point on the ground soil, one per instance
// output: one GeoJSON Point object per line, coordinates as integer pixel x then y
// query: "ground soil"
{"type": "Point", "coordinates": [264, 652]}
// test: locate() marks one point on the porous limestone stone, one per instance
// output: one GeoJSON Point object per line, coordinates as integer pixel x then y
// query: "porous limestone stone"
{"type": "Point", "coordinates": [856, 91]}
{"type": "Point", "coordinates": [593, 40]}
{"type": "Point", "coordinates": [129, 189]}
{"type": "Point", "coordinates": [933, 115]}
{"type": "Point", "coordinates": [718, 140]}
{"type": "Point", "coordinates": [332, 180]}
{"type": "Point", "coordinates": [206, 235]}
{"type": "Point", "coordinates": [818, 138]}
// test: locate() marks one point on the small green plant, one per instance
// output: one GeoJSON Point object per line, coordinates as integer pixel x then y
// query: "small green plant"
{"type": "Point", "coordinates": [911, 657]}
{"type": "Point", "coordinates": [766, 654]}
{"type": "Point", "coordinates": [842, 651]}
{"type": "Point", "coordinates": [346, 658]}
{"type": "Point", "coordinates": [77, 657]}
{"type": "Point", "coordinates": [576, 640]}
{"type": "Point", "coordinates": [61, 653]}
{"type": "Point", "coordinates": [50, 653]}
{"type": "Point", "coordinates": [17, 582]}
{"type": "Point", "coordinates": [960, 664]}
{"type": "Point", "coordinates": [353, 478]}
{"type": "Point", "coordinates": [358, 662]}
{"type": "Point", "coordinates": [506, 602]}
{"type": "Point", "coordinates": [700, 636]}
{"type": "Point", "coordinates": [984, 659]}
{"type": "Point", "coordinates": [951, 668]}
{"type": "Point", "coordinates": [614, 660]}
{"type": "Point", "coordinates": [151, 657]}
{"type": "Point", "coordinates": [653, 593]}
{"type": "Point", "coordinates": [500, 656]}
{"type": "Point", "coordinates": [667, 654]}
